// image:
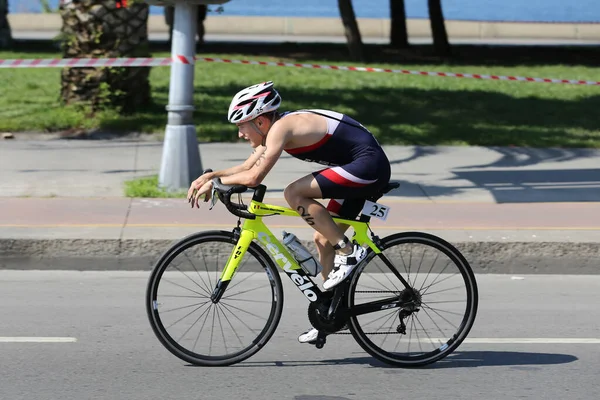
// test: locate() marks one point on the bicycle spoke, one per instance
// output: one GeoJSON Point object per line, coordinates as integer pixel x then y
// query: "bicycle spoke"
{"type": "Point", "coordinates": [426, 305]}
{"type": "Point", "coordinates": [177, 296]}
{"type": "Point", "coordinates": [429, 272]}
{"type": "Point", "coordinates": [212, 333]}
{"type": "Point", "coordinates": [221, 326]}
{"type": "Point", "coordinates": [386, 275]}
{"type": "Point", "coordinates": [244, 292]}
{"type": "Point", "coordinates": [244, 311]}
{"type": "Point", "coordinates": [441, 316]}
{"type": "Point", "coordinates": [240, 282]}
{"type": "Point", "coordinates": [421, 262]}
{"type": "Point", "coordinates": [248, 300]}
{"type": "Point", "coordinates": [398, 342]}
{"type": "Point", "coordinates": [445, 301]}
{"type": "Point", "coordinates": [425, 330]}
{"type": "Point", "coordinates": [183, 307]}
{"type": "Point", "coordinates": [207, 287]}
{"type": "Point", "coordinates": [187, 315]}
{"type": "Point", "coordinates": [193, 281]}
{"type": "Point", "coordinates": [238, 318]}
{"type": "Point", "coordinates": [412, 320]}
{"type": "Point", "coordinates": [184, 287]}
{"type": "Point", "coordinates": [438, 275]}
{"type": "Point", "coordinates": [231, 325]}
{"type": "Point", "coordinates": [435, 323]}
{"type": "Point", "coordinates": [206, 267]}
{"type": "Point", "coordinates": [378, 318]}
{"type": "Point", "coordinates": [443, 290]}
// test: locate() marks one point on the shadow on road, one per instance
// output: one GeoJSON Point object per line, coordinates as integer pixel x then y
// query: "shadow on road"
{"type": "Point", "coordinates": [459, 359]}
{"type": "Point", "coordinates": [501, 358]}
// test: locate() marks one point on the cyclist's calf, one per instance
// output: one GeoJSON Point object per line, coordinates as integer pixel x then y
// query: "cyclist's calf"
{"type": "Point", "coordinates": [326, 253]}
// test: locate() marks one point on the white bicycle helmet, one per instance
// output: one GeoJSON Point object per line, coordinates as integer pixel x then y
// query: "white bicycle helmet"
{"type": "Point", "coordinates": [253, 101]}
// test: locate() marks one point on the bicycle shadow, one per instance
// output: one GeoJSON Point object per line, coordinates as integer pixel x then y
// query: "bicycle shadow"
{"type": "Point", "coordinates": [459, 359]}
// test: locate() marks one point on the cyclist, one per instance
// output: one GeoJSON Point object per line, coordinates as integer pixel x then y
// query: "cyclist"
{"type": "Point", "coordinates": [357, 169]}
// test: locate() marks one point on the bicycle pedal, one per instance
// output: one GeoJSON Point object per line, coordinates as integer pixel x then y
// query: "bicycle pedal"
{"type": "Point", "coordinates": [320, 343]}
{"type": "Point", "coordinates": [321, 340]}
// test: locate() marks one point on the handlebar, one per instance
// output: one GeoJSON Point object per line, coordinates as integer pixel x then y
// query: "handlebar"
{"type": "Point", "coordinates": [224, 193]}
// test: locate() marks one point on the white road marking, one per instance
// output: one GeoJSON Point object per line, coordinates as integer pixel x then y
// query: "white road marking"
{"type": "Point", "coordinates": [532, 340]}
{"type": "Point", "coordinates": [25, 339]}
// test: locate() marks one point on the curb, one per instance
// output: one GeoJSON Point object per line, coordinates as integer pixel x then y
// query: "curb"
{"type": "Point", "coordinates": [574, 258]}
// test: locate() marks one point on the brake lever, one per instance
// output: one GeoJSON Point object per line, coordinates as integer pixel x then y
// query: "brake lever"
{"type": "Point", "coordinates": [213, 198]}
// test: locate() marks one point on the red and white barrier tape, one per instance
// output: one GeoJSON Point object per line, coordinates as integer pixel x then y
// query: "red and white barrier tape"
{"type": "Point", "coordinates": [157, 62]}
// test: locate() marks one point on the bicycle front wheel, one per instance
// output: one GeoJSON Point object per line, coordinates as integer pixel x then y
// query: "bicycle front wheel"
{"type": "Point", "coordinates": [424, 322]}
{"type": "Point", "coordinates": [212, 333]}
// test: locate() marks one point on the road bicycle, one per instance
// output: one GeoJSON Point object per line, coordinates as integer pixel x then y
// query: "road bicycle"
{"type": "Point", "coordinates": [215, 298]}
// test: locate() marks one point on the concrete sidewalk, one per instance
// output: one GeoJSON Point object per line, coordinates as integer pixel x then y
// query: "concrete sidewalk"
{"type": "Point", "coordinates": [511, 210]}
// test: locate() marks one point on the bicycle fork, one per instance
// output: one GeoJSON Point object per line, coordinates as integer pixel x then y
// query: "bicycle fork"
{"type": "Point", "coordinates": [243, 240]}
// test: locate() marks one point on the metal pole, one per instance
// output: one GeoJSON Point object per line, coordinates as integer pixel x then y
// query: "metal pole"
{"type": "Point", "coordinates": [180, 163]}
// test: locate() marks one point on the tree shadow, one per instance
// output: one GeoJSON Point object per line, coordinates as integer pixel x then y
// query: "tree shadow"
{"type": "Point", "coordinates": [414, 116]}
{"type": "Point", "coordinates": [525, 186]}
{"type": "Point", "coordinates": [458, 359]}
{"type": "Point", "coordinates": [462, 54]}
{"type": "Point", "coordinates": [525, 156]}
{"type": "Point", "coordinates": [416, 153]}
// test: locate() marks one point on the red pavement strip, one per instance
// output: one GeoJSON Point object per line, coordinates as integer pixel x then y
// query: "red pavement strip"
{"type": "Point", "coordinates": [67, 212]}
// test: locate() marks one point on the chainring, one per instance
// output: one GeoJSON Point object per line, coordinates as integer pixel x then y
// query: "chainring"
{"type": "Point", "coordinates": [316, 316]}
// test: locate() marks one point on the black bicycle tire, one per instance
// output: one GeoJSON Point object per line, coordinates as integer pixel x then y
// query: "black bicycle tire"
{"type": "Point", "coordinates": [167, 341]}
{"type": "Point", "coordinates": [467, 322]}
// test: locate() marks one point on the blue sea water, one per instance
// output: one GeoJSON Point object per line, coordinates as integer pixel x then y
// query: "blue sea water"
{"type": "Point", "coordinates": [470, 10]}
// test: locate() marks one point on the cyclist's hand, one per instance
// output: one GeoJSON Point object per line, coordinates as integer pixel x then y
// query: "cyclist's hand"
{"type": "Point", "coordinates": [204, 192]}
{"type": "Point", "coordinates": [195, 186]}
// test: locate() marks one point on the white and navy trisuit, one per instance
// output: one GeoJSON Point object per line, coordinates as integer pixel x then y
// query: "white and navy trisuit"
{"type": "Point", "coordinates": [359, 168]}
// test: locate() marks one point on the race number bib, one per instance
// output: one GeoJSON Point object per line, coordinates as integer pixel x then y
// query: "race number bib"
{"type": "Point", "coordinates": [375, 210]}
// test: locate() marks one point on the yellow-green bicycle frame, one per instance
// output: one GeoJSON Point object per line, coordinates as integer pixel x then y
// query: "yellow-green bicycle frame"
{"type": "Point", "coordinates": [256, 229]}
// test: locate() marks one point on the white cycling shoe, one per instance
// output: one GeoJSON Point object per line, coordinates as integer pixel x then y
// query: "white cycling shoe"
{"type": "Point", "coordinates": [310, 336]}
{"type": "Point", "coordinates": [343, 266]}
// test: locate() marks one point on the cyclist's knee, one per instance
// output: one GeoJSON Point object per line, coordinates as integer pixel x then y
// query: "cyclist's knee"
{"type": "Point", "coordinates": [292, 194]}
{"type": "Point", "coordinates": [288, 193]}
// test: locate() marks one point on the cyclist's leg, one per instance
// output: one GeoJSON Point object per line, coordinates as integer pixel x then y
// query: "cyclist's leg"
{"type": "Point", "coordinates": [301, 195]}
{"type": "Point", "coordinates": [326, 251]}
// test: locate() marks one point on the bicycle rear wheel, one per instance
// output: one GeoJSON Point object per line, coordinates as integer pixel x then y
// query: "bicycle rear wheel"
{"type": "Point", "coordinates": [196, 329]}
{"type": "Point", "coordinates": [438, 309]}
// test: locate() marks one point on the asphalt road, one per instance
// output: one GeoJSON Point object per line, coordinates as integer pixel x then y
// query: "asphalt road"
{"type": "Point", "coordinates": [110, 352]}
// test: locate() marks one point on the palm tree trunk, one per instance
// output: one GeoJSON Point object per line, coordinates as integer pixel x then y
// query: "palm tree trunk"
{"type": "Point", "coordinates": [399, 31]}
{"type": "Point", "coordinates": [438, 28]}
{"type": "Point", "coordinates": [355, 45]}
{"type": "Point", "coordinates": [5, 34]}
{"type": "Point", "coordinates": [100, 29]}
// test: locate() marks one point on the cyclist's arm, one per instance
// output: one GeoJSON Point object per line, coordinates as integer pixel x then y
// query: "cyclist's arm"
{"type": "Point", "coordinates": [275, 143]}
{"type": "Point", "coordinates": [245, 166]}
{"type": "Point", "coordinates": [202, 179]}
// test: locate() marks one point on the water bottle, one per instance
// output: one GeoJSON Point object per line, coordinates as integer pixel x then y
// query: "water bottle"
{"type": "Point", "coordinates": [306, 260]}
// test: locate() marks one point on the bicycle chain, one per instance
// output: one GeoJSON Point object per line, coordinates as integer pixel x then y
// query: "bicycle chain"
{"type": "Point", "coordinates": [375, 291]}
{"type": "Point", "coordinates": [369, 333]}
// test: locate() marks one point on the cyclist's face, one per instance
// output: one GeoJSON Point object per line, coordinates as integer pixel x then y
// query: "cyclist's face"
{"type": "Point", "coordinates": [247, 132]}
